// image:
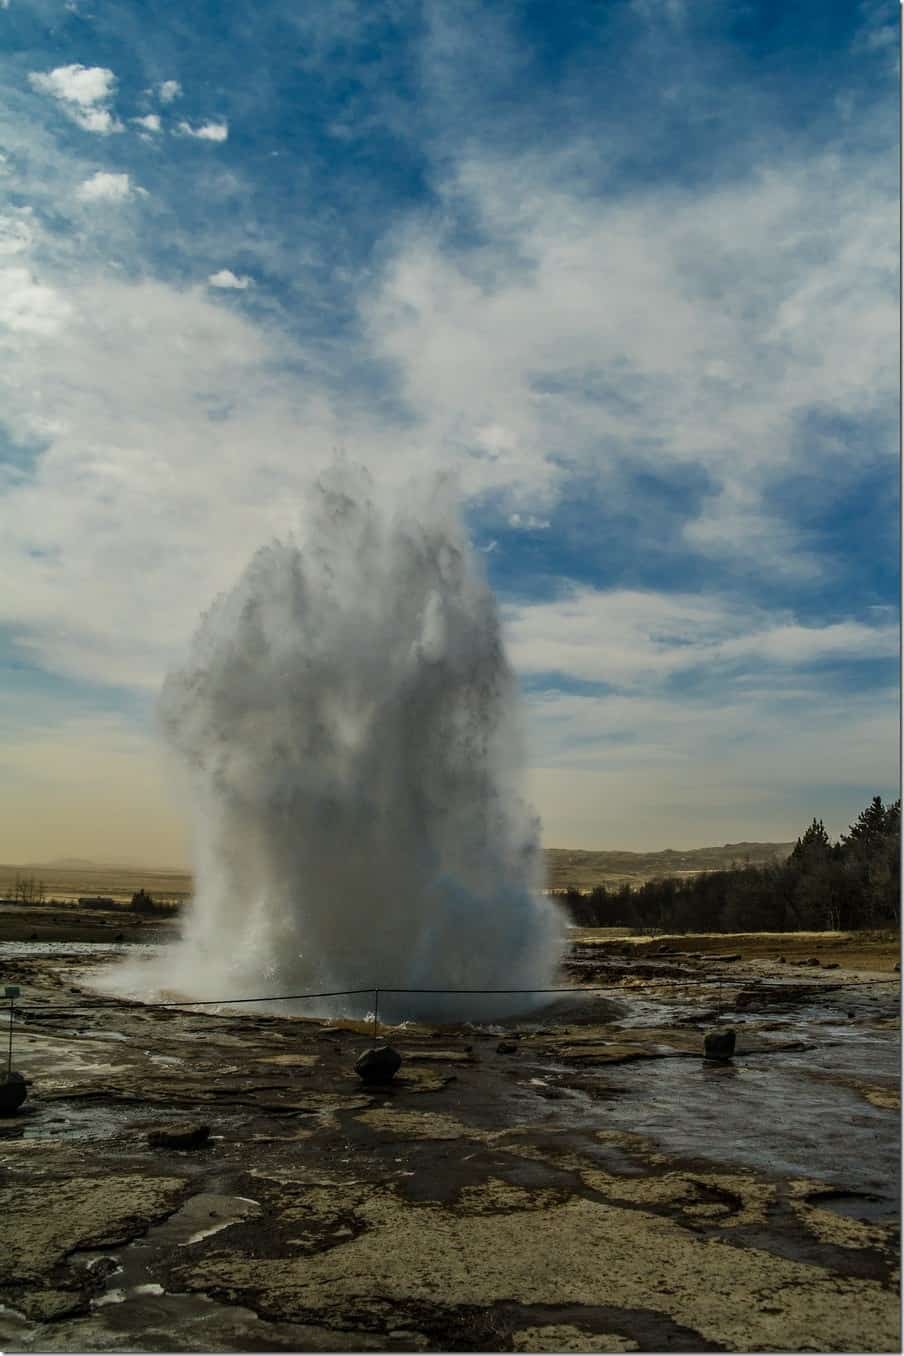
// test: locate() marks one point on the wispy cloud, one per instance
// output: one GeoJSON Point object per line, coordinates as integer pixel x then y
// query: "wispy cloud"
{"type": "Point", "coordinates": [637, 640]}
{"type": "Point", "coordinates": [168, 90]}
{"type": "Point", "coordinates": [670, 327]}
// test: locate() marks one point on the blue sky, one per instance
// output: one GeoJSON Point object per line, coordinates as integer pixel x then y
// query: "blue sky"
{"type": "Point", "coordinates": [628, 270]}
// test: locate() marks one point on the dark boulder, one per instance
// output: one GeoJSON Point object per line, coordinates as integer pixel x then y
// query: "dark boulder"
{"type": "Point", "coordinates": [13, 1091]}
{"type": "Point", "coordinates": [181, 1135]}
{"type": "Point", "coordinates": [506, 1048]}
{"type": "Point", "coordinates": [718, 1045]}
{"type": "Point", "coordinates": [378, 1065]}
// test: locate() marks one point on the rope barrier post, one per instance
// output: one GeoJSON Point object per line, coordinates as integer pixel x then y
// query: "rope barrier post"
{"type": "Point", "coordinates": [12, 993]}
{"type": "Point", "coordinates": [376, 1011]}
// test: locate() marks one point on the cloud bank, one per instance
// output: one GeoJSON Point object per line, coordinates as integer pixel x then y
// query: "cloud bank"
{"type": "Point", "coordinates": [651, 334]}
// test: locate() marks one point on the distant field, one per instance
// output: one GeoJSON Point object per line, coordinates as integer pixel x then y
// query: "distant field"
{"type": "Point", "coordinates": [565, 867]}
{"type": "Point", "coordinates": [584, 870]}
{"type": "Point", "coordinates": [119, 883]}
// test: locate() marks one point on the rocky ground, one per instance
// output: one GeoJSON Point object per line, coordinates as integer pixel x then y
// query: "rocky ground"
{"type": "Point", "coordinates": [578, 1182]}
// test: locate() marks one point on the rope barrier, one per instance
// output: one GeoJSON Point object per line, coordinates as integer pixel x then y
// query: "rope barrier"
{"type": "Point", "coordinates": [484, 993]}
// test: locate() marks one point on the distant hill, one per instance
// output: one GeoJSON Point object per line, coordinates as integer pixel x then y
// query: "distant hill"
{"type": "Point", "coordinates": [583, 870]}
{"type": "Point", "coordinates": [72, 876]}
{"type": "Point", "coordinates": [64, 863]}
{"type": "Point", "coordinates": [89, 864]}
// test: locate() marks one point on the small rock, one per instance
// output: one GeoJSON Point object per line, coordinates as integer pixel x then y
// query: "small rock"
{"type": "Point", "coordinates": [185, 1135]}
{"type": "Point", "coordinates": [378, 1065]}
{"type": "Point", "coordinates": [506, 1048]}
{"type": "Point", "coordinates": [718, 1045]}
{"type": "Point", "coordinates": [782, 960]}
{"type": "Point", "coordinates": [831, 965]}
{"type": "Point", "coordinates": [13, 1091]}
{"type": "Point", "coordinates": [733, 956]}
{"type": "Point", "coordinates": [898, 966]}
{"type": "Point", "coordinates": [813, 960]}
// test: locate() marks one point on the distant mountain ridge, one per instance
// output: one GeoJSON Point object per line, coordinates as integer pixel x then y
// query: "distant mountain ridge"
{"type": "Point", "coordinates": [584, 869]}
{"type": "Point", "coordinates": [578, 867]}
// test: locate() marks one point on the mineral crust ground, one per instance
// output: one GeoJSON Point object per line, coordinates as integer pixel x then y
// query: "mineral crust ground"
{"type": "Point", "coordinates": [593, 1186]}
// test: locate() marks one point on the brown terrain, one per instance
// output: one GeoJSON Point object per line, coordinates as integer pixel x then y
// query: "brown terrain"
{"type": "Point", "coordinates": [576, 869]}
{"type": "Point", "coordinates": [565, 867]}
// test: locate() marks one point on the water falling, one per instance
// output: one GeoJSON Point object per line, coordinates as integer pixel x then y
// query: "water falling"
{"type": "Point", "coordinates": [350, 724]}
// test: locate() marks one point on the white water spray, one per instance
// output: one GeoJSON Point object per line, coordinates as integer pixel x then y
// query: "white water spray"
{"type": "Point", "coordinates": [349, 720]}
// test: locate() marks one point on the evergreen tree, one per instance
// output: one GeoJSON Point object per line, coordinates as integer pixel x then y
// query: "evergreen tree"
{"type": "Point", "coordinates": [871, 823]}
{"type": "Point", "coordinates": [813, 846]}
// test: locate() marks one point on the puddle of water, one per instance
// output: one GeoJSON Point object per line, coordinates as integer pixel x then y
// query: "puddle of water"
{"type": "Point", "coordinates": [128, 1280]}
{"type": "Point", "coordinates": [761, 1114]}
{"type": "Point", "coordinates": [205, 1214]}
{"type": "Point", "coordinates": [854, 1205]}
{"type": "Point", "coordinates": [108, 1297]}
{"type": "Point", "coordinates": [11, 949]}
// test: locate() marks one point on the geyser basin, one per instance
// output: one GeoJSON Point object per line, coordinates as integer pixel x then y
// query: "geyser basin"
{"type": "Point", "coordinates": [350, 725]}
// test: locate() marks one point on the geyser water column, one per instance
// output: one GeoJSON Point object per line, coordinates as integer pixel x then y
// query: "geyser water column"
{"type": "Point", "coordinates": [350, 723]}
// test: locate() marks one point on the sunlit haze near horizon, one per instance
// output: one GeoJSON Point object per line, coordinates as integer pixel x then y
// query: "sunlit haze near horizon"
{"type": "Point", "coordinates": [625, 276]}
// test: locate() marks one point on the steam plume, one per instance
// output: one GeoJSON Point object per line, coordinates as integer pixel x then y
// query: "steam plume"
{"type": "Point", "coordinates": [349, 720]}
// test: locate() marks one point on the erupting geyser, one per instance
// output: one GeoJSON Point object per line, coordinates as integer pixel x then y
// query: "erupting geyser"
{"type": "Point", "coordinates": [349, 720]}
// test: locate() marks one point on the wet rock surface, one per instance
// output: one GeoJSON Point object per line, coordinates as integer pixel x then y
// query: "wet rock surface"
{"type": "Point", "coordinates": [605, 1191]}
{"type": "Point", "coordinates": [179, 1136]}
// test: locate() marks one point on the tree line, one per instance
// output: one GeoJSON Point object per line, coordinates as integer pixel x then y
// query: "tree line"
{"type": "Point", "coordinates": [29, 890]}
{"type": "Point", "coordinates": [851, 884]}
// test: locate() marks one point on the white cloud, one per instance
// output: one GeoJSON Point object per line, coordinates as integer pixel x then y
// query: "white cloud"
{"type": "Point", "coordinates": [168, 90]}
{"type": "Point", "coordinates": [528, 522]}
{"type": "Point", "coordinates": [634, 639]}
{"type": "Point", "coordinates": [671, 329]}
{"type": "Point", "coordinates": [150, 122]}
{"type": "Point", "coordinates": [16, 232]}
{"type": "Point", "coordinates": [173, 449]}
{"type": "Point", "coordinates": [28, 307]}
{"type": "Point", "coordinates": [227, 279]}
{"type": "Point", "coordinates": [642, 772]}
{"type": "Point", "coordinates": [104, 187]}
{"type": "Point", "coordinates": [208, 131]}
{"type": "Point", "coordinates": [84, 92]}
